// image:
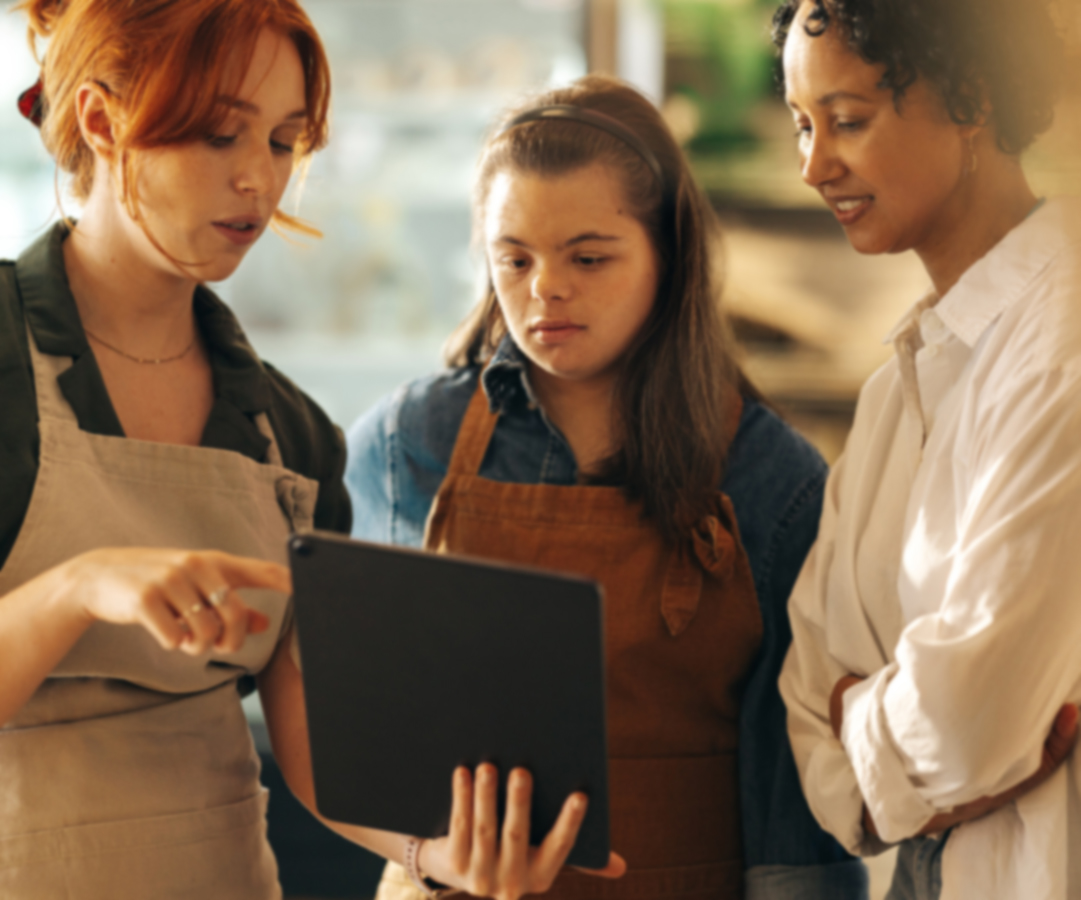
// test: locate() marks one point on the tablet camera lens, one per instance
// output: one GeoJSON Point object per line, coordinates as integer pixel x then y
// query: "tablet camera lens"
{"type": "Point", "coordinates": [301, 547]}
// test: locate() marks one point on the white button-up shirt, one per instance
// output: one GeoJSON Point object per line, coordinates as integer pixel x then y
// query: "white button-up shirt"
{"type": "Point", "coordinates": [948, 572]}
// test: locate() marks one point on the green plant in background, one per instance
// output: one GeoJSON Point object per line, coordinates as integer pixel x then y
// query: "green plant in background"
{"type": "Point", "coordinates": [719, 58]}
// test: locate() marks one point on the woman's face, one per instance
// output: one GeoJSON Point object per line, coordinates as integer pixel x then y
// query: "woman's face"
{"type": "Point", "coordinates": [574, 272]}
{"type": "Point", "coordinates": [893, 177]}
{"type": "Point", "coordinates": [208, 201]}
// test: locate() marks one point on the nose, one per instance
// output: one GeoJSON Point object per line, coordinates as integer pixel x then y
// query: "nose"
{"type": "Point", "coordinates": [819, 161]}
{"type": "Point", "coordinates": [550, 283]}
{"type": "Point", "coordinates": [255, 171]}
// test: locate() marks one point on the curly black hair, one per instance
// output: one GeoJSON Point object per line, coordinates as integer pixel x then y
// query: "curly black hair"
{"type": "Point", "coordinates": [1005, 56]}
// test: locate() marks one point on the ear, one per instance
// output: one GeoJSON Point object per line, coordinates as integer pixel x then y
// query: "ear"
{"type": "Point", "coordinates": [95, 112]}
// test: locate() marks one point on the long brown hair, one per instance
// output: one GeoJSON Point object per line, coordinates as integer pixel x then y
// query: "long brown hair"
{"type": "Point", "coordinates": [677, 388]}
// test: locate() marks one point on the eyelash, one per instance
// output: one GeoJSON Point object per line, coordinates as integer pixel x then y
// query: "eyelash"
{"type": "Point", "coordinates": [222, 141]}
{"type": "Point", "coordinates": [590, 262]}
{"type": "Point", "coordinates": [848, 127]}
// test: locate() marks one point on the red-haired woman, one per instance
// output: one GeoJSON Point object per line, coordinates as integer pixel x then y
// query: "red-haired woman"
{"type": "Point", "coordinates": [152, 466]}
{"type": "Point", "coordinates": [593, 420]}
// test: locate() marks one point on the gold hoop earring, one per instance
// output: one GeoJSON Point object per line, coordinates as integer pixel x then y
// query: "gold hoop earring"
{"type": "Point", "coordinates": [974, 158]}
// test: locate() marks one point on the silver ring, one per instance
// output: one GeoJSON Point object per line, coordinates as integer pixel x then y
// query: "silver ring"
{"type": "Point", "coordinates": [196, 608]}
{"type": "Point", "coordinates": [217, 597]}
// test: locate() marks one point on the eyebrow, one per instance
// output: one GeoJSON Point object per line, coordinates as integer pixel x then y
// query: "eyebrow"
{"type": "Point", "coordinates": [245, 106]}
{"type": "Point", "coordinates": [830, 99]}
{"type": "Point", "coordinates": [580, 239]}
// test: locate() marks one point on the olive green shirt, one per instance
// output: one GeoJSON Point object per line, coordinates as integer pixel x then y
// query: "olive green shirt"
{"type": "Point", "coordinates": [34, 290]}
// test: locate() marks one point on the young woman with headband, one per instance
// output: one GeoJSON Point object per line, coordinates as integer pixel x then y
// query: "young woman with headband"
{"type": "Point", "coordinates": [934, 665]}
{"type": "Point", "coordinates": [153, 466]}
{"type": "Point", "coordinates": [593, 420]}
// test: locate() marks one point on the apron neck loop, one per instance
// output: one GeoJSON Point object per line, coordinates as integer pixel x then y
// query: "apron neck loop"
{"type": "Point", "coordinates": [475, 434]}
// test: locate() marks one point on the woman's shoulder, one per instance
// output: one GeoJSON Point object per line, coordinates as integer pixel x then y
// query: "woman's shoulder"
{"type": "Point", "coordinates": [311, 445]}
{"type": "Point", "coordinates": [422, 417]}
{"type": "Point", "coordinates": [769, 459]}
{"type": "Point", "coordinates": [399, 452]}
{"type": "Point", "coordinates": [775, 479]}
{"type": "Point", "coordinates": [305, 431]}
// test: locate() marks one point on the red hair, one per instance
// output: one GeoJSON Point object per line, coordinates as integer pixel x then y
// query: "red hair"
{"type": "Point", "coordinates": [164, 64]}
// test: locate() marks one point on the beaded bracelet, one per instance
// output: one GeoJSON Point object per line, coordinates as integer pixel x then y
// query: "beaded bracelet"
{"type": "Point", "coordinates": [412, 869]}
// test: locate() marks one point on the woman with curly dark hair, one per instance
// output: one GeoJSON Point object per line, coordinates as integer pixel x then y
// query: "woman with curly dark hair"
{"type": "Point", "coordinates": [934, 667]}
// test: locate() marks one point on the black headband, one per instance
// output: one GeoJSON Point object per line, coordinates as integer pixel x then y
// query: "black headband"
{"type": "Point", "coordinates": [598, 120]}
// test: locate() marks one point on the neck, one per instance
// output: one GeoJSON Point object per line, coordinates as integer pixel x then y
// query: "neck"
{"type": "Point", "coordinates": [989, 205]}
{"type": "Point", "coordinates": [582, 411]}
{"type": "Point", "coordinates": [121, 295]}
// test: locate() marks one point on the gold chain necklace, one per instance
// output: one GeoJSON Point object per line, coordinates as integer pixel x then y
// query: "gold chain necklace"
{"type": "Point", "coordinates": [139, 359]}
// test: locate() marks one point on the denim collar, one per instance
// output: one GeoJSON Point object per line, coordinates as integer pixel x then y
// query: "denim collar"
{"type": "Point", "coordinates": [506, 380]}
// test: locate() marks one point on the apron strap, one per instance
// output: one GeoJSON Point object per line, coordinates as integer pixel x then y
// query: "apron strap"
{"type": "Point", "coordinates": [52, 404]}
{"type": "Point", "coordinates": [474, 435]}
{"type": "Point", "coordinates": [47, 370]}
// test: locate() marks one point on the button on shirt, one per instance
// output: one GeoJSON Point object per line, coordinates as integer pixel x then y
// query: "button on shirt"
{"type": "Point", "coordinates": [398, 457]}
{"type": "Point", "coordinates": [948, 572]}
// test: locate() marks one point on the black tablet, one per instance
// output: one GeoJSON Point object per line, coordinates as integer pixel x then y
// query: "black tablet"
{"type": "Point", "coordinates": [415, 663]}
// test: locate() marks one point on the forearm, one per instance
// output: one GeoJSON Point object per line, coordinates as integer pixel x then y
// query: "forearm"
{"type": "Point", "coordinates": [946, 726]}
{"type": "Point", "coordinates": [282, 694]}
{"type": "Point", "coordinates": [826, 774]}
{"type": "Point", "coordinates": [40, 622]}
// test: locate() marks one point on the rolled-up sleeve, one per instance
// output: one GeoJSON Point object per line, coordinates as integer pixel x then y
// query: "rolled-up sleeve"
{"type": "Point", "coordinates": [964, 711]}
{"type": "Point", "coordinates": [807, 679]}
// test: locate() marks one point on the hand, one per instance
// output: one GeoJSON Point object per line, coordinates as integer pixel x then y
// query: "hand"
{"type": "Point", "coordinates": [184, 598]}
{"type": "Point", "coordinates": [837, 702]}
{"type": "Point", "coordinates": [1058, 746]}
{"type": "Point", "coordinates": [471, 858]}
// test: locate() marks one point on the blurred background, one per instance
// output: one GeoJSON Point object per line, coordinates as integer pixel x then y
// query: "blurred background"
{"type": "Point", "coordinates": [417, 83]}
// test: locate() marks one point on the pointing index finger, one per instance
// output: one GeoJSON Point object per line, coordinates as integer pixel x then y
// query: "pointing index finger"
{"type": "Point", "coordinates": [242, 572]}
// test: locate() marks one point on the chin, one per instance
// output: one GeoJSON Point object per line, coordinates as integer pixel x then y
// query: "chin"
{"type": "Point", "coordinates": [871, 242]}
{"type": "Point", "coordinates": [218, 266]}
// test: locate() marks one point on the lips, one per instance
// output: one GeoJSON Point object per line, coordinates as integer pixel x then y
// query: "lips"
{"type": "Point", "coordinates": [850, 210]}
{"type": "Point", "coordinates": [554, 331]}
{"type": "Point", "coordinates": [239, 229]}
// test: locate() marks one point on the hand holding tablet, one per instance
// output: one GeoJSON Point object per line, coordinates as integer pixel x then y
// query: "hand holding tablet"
{"type": "Point", "coordinates": [417, 666]}
{"type": "Point", "coordinates": [488, 861]}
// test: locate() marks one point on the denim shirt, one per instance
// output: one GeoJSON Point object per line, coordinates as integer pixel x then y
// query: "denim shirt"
{"type": "Point", "coordinates": [398, 454]}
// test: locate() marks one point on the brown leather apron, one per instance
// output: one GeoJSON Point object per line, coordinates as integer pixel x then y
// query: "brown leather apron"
{"type": "Point", "coordinates": [682, 626]}
{"type": "Point", "coordinates": [131, 772]}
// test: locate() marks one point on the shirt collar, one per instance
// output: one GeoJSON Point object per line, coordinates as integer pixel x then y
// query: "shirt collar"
{"type": "Point", "coordinates": [1004, 275]}
{"type": "Point", "coordinates": [53, 317]}
{"type": "Point", "coordinates": [506, 379]}
{"type": "Point", "coordinates": [910, 321]}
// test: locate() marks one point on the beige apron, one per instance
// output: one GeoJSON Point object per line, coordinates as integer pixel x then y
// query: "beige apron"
{"type": "Point", "coordinates": [131, 772]}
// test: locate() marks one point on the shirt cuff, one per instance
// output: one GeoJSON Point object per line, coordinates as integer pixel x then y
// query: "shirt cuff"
{"type": "Point", "coordinates": [835, 800]}
{"type": "Point", "coordinates": [895, 805]}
